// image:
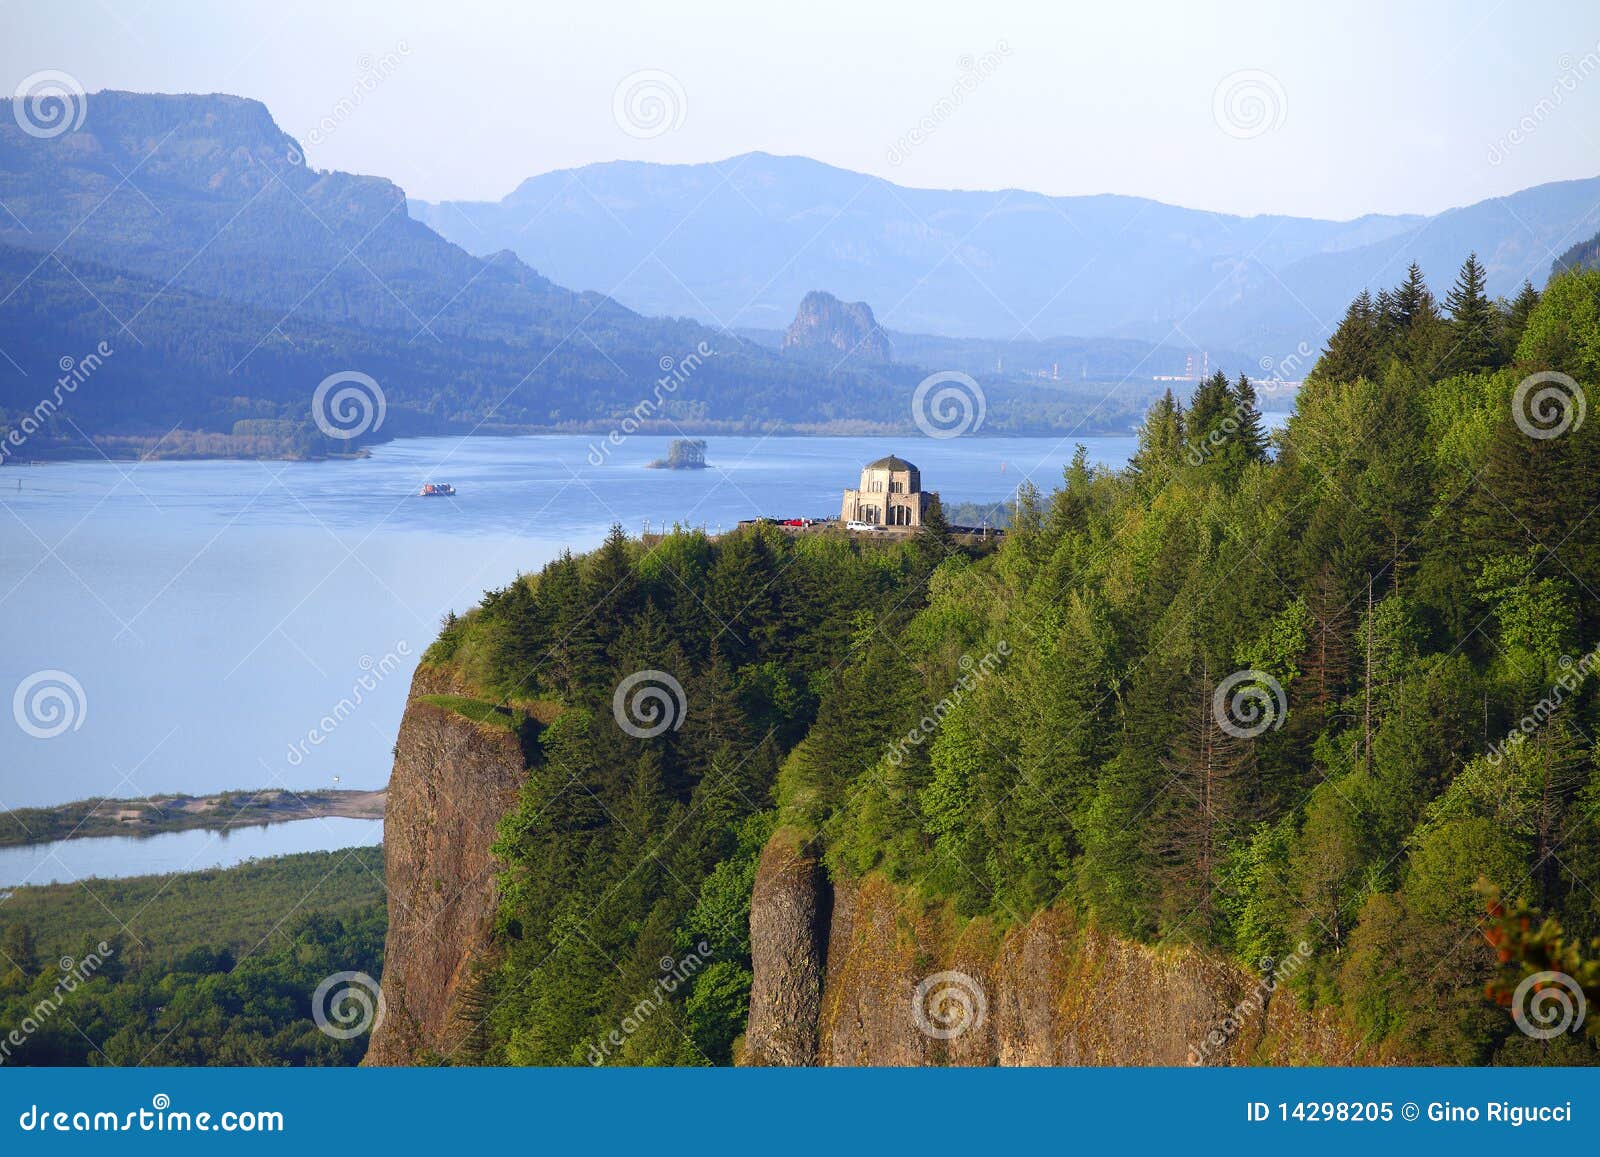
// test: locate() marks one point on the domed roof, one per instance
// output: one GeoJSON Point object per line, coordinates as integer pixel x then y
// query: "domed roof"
{"type": "Point", "coordinates": [890, 463]}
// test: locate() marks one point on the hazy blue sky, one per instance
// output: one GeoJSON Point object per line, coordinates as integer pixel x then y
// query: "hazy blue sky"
{"type": "Point", "coordinates": [1367, 107]}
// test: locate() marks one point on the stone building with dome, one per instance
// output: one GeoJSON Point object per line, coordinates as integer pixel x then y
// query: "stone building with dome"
{"type": "Point", "coordinates": [890, 494]}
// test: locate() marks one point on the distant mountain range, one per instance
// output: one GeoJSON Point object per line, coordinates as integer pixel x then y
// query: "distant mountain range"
{"type": "Point", "coordinates": [231, 279]}
{"type": "Point", "coordinates": [738, 242]}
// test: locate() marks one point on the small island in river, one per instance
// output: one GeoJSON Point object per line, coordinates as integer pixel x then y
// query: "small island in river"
{"type": "Point", "coordinates": [683, 454]}
{"type": "Point", "coordinates": [176, 813]}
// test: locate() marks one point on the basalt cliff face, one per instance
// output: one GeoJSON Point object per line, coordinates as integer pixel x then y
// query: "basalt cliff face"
{"type": "Point", "coordinates": [453, 779]}
{"type": "Point", "coordinates": [845, 973]}
{"type": "Point", "coordinates": [864, 974]}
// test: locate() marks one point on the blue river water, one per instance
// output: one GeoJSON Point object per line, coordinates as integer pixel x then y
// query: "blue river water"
{"type": "Point", "coordinates": [184, 626]}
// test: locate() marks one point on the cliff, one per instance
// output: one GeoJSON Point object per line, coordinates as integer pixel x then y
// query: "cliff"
{"type": "Point", "coordinates": [845, 973]}
{"type": "Point", "coordinates": [453, 779]}
{"type": "Point", "coordinates": [886, 979]}
{"type": "Point", "coordinates": [841, 331]}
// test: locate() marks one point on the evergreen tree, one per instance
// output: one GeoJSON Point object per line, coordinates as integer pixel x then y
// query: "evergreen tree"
{"type": "Point", "coordinates": [1160, 445]}
{"type": "Point", "coordinates": [1355, 347]}
{"type": "Point", "coordinates": [1515, 321]}
{"type": "Point", "coordinates": [1475, 342]}
{"type": "Point", "coordinates": [1250, 435]}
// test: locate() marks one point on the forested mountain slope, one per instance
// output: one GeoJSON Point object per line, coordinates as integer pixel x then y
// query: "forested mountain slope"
{"type": "Point", "coordinates": [1236, 699]}
{"type": "Point", "coordinates": [230, 279]}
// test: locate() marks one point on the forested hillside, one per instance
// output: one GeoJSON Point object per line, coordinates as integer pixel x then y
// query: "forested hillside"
{"type": "Point", "coordinates": [1239, 696]}
{"type": "Point", "coordinates": [121, 972]}
{"type": "Point", "coordinates": [222, 279]}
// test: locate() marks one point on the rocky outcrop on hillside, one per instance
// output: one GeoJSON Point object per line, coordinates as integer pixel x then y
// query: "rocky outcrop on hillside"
{"type": "Point", "coordinates": [788, 939]}
{"type": "Point", "coordinates": [842, 331]}
{"type": "Point", "coordinates": [905, 983]}
{"type": "Point", "coordinates": [845, 973]}
{"type": "Point", "coordinates": [453, 779]}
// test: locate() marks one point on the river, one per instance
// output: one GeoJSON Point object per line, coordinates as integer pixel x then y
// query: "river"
{"type": "Point", "coordinates": [200, 619]}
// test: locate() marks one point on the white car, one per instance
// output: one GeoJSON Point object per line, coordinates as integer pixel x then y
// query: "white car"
{"type": "Point", "coordinates": [854, 525]}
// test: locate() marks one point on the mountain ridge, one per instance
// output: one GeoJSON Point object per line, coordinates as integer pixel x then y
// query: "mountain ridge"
{"type": "Point", "coordinates": [232, 278]}
{"type": "Point", "coordinates": [990, 264]}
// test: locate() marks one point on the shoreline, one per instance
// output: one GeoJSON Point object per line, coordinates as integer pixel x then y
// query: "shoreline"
{"type": "Point", "coordinates": [157, 815]}
{"type": "Point", "coordinates": [103, 452]}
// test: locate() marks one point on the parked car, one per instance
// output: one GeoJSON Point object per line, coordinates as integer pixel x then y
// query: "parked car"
{"type": "Point", "coordinates": [854, 525]}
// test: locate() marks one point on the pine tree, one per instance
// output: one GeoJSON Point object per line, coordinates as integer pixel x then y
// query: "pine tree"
{"type": "Point", "coordinates": [1421, 336]}
{"type": "Point", "coordinates": [932, 543]}
{"type": "Point", "coordinates": [1516, 320]}
{"type": "Point", "coordinates": [1200, 812]}
{"type": "Point", "coordinates": [1412, 299]}
{"type": "Point", "coordinates": [20, 951]}
{"type": "Point", "coordinates": [1250, 435]}
{"type": "Point", "coordinates": [1353, 350]}
{"type": "Point", "coordinates": [1475, 342]}
{"type": "Point", "coordinates": [1160, 440]}
{"type": "Point", "coordinates": [1209, 407]}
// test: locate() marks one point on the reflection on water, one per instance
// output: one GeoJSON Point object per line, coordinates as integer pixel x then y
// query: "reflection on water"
{"type": "Point", "coordinates": [65, 861]}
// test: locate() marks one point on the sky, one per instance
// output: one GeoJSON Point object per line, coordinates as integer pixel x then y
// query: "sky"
{"type": "Point", "coordinates": [1327, 110]}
